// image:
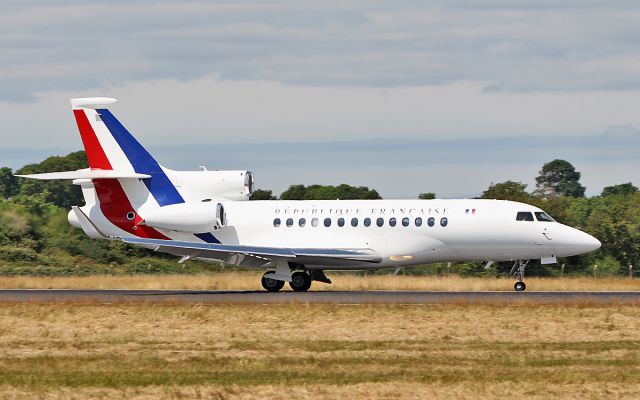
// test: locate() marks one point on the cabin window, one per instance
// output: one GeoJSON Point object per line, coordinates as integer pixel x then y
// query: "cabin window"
{"type": "Point", "coordinates": [340, 222]}
{"type": "Point", "coordinates": [302, 222]}
{"type": "Point", "coordinates": [405, 221]}
{"type": "Point", "coordinates": [431, 221]}
{"type": "Point", "coordinates": [367, 222]}
{"type": "Point", "coordinates": [314, 222]}
{"type": "Point", "coordinates": [327, 222]}
{"type": "Point", "coordinates": [277, 222]}
{"type": "Point", "coordinates": [380, 221]}
{"type": "Point", "coordinates": [354, 222]}
{"type": "Point", "coordinates": [444, 221]}
{"type": "Point", "coordinates": [524, 216]}
{"type": "Point", "coordinates": [544, 217]}
{"type": "Point", "coordinates": [289, 221]}
{"type": "Point", "coordinates": [392, 221]}
{"type": "Point", "coordinates": [418, 221]}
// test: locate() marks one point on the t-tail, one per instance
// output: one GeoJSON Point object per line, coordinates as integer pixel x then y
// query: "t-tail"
{"type": "Point", "coordinates": [129, 194]}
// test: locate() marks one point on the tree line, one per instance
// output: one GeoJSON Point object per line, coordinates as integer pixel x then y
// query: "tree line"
{"type": "Point", "coordinates": [35, 237]}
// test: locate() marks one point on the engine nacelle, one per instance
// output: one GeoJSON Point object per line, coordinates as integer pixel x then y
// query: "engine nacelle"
{"type": "Point", "coordinates": [197, 186]}
{"type": "Point", "coordinates": [187, 217]}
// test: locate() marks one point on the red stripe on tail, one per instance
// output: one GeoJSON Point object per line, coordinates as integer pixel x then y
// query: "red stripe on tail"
{"type": "Point", "coordinates": [95, 154]}
{"type": "Point", "coordinates": [115, 206]}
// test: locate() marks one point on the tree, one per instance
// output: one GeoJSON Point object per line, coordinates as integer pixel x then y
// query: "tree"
{"type": "Point", "coordinates": [427, 196]}
{"type": "Point", "coordinates": [262, 195]}
{"type": "Point", "coordinates": [61, 193]}
{"type": "Point", "coordinates": [295, 192]}
{"type": "Point", "coordinates": [559, 178]}
{"type": "Point", "coordinates": [9, 185]}
{"type": "Point", "coordinates": [509, 190]}
{"type": "Point", "coordinates": [615, 221]}
{"type": "Point", "coordinates": [623, 189]}
{"type": "Point", "coordinates": [328, 192]}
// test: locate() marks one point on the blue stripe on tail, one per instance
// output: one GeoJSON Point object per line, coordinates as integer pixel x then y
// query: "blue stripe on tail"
{"type": "Point", "coordinates": [159, 184]}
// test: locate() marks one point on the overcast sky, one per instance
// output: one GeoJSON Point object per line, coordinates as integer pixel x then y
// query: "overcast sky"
{"type": "Point", "coordinates": [368, 82]}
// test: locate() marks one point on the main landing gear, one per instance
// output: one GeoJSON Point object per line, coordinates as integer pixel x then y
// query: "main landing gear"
{"type": "Point", "coordinates": [270, 284]}
{"type": "Point", "coordinates": [299, 281]}
{"type": "Point", "coordinates": [517, 271]}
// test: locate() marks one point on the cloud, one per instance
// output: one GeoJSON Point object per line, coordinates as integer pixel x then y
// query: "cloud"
{"type": "Point", "coordinates": [418, 73]}
{"type": "Point", "coordinates": [402, 168]}
{"type": "Point", "coordinates": [170, 112]}
{"type": "Point", "coordinates": [513, 47]}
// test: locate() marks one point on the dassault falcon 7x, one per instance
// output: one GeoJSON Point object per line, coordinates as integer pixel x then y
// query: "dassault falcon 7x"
{"type": "Point", "coordinates": [206, 215]}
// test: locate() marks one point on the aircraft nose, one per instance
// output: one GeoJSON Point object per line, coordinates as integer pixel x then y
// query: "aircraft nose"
{"type": "Point", "coordinates": [589, 242]}
{"type": "Point", "coordinates": [582, 242]}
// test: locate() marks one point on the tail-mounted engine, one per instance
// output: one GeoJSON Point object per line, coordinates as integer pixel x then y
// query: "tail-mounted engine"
{"type": "Point", "coordinates": [187, 217]}
{"type": "Point", "coordinates": [197, 186]}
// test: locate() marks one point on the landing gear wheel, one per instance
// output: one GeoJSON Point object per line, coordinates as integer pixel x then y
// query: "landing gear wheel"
{"type": "Point", "coordinates": [300, 281]}
{"type": "Point", "coordinates": [519, 286]}
{"type": "Point", "coordinates": [271, 285]}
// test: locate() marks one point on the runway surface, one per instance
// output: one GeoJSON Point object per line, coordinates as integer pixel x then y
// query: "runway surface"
{"type": "Point", "coordinates": [326, 297]}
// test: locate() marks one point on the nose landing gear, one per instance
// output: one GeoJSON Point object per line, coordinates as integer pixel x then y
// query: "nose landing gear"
{"type": "Point", "coordinates": [517, 271]}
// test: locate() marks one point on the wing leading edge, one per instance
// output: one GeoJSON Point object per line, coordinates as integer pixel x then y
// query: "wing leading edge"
{"type": "Point", "coordinates": [255, 256]}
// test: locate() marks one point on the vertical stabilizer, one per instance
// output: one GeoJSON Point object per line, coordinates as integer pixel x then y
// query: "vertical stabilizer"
{"type": "Point", "coordinates": [109, 145]}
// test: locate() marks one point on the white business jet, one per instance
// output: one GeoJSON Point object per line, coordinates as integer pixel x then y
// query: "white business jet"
{"type": "Point", "coordinates": [206, 215]}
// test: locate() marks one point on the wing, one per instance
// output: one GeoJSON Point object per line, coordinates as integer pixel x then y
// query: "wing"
{"type": "Point", "coordinates": [256, 256]}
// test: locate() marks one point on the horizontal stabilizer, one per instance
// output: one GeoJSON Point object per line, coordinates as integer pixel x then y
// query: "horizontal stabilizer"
{"type": "Point", "coordinates": [92, 102]}
{"type": "Point", "coordinates": [88, 174]}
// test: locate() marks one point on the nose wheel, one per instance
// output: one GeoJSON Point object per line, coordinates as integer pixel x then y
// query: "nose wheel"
{"type": "Point", "coordinates": [519, 286]}
{"type": "Point", "coordinates": [517, 271]}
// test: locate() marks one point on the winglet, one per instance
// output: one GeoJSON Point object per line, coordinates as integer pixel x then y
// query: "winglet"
{"type": "Point", "coordinates": [92, 102]}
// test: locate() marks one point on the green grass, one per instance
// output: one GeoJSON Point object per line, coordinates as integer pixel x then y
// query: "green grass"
{"type": "Point", "coordinates": [460, 351]}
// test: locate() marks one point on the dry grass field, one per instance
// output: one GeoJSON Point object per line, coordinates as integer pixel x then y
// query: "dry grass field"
{"type": "Point", "coordinates": [250, 280]}
{"type": "Point", "coordinates": [129, 351]}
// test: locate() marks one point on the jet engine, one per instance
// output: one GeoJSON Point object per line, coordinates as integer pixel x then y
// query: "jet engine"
{"type": "Point", "coordinates": [204, 185]}
{"type": "Point", "coordinates": [187, 217]}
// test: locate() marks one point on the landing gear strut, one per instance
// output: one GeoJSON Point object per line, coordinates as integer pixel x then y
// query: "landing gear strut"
{"type": "Point", "coordinates": [517, 271]}
{"type": "Point", "coordinates": [270, 284]}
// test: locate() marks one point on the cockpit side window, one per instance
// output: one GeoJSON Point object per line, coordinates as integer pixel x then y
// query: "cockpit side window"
{"type": "Point", "coordinates": [544, 217]}
{"type": "Point", "coordinates": [524, 216]}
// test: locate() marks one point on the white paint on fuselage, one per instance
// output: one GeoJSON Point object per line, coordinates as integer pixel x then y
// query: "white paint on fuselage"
{"type": "Point", "coordinates": [489, 233]}
{"type": "Point", "coordinates": [475, 230]}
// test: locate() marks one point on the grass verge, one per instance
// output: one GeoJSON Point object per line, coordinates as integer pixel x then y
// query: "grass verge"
{"type": "Point", "coordinates": [317, 351]}
{"type": "Point", "coordinates": [250, 280]}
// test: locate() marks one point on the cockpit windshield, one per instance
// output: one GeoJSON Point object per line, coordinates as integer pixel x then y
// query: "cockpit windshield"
{"type": "Point", "coordinates": [524, 216]}
{"type": "Point", "coordinates": [544, 217]}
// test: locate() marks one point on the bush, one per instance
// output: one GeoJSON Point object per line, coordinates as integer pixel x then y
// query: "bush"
{"type": "Point", "coordinates": [18, 254]}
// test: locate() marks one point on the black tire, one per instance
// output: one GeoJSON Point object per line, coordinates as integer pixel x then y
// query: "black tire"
{"type": "Point", "coordinates": [271, 285]}
{"type": "Point", "coordinates": [300, 281]}
{"type": "Point", "coordinates": [519, 286]}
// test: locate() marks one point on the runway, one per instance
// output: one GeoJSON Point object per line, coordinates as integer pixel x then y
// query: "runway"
{"type": "Point", "coordinates": [316, 297]}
